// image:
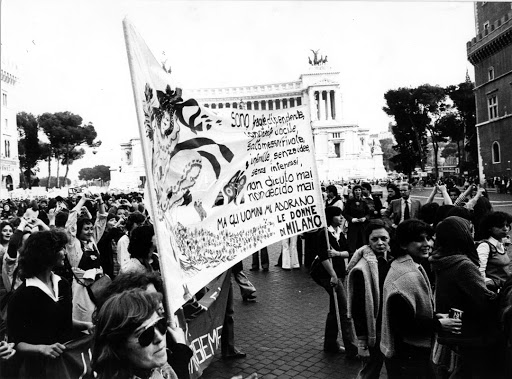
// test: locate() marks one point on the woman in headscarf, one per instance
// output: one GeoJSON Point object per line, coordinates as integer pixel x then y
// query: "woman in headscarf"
{"type": "Point", "coordinates": [459, 285]}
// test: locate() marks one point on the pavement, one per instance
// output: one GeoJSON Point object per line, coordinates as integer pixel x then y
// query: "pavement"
{"type": "Point", "coordinates": [282, 333]}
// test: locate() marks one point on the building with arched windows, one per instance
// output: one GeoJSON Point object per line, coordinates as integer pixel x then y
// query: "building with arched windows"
{"type": "Point", "coordinates": [490, 53]}
{"type": "Point", "coordinates": [9, 162]}
{"type": "Point", "coordinates": [343, 151]}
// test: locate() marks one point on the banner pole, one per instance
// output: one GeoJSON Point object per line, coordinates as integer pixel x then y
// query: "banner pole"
{"type": "Point", "coordinates": [151, 201]}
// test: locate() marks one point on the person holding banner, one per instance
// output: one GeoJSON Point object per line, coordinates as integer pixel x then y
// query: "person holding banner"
{"type": "Point", "coordinates": [332, 258]}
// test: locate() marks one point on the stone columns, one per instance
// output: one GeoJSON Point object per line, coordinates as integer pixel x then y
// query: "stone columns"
{"type": "Point", "coordinates": [321, 105]}
{"type": "Point", "coordinates": [328, 105]}
{"type": "Point", "coordinates": [337, 105]}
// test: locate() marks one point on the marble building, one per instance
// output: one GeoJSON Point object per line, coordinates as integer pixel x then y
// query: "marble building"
{"type": "Point", "coordinates": [343, 151]}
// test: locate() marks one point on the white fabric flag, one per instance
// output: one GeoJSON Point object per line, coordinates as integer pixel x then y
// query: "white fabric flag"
{"type": "Point", "coordinates": [222, 183]}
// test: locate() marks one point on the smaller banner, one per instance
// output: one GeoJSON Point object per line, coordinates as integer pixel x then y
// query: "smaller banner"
{"type": "Point", "coordinates": [204, 332]}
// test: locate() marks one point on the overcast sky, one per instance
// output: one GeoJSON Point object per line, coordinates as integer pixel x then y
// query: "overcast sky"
{"type": "Point", "coordinates": [72, 54]}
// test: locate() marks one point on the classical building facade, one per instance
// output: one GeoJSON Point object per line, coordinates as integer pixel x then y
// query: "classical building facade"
{"type": "Point", "coordinates": [343, 151]}
{"type": "Point", "coordinates": [9, 162]}
{"type": "Point", "coordinates": [490, 52]}
{"type": "Point", "coordinates": [129, 174]}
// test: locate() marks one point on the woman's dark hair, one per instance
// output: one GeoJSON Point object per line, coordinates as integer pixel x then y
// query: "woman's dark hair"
{"type": "Point", "coordinates": [367, 186]}
{"type": "Point", "coordinates": [454, 189]}
{"type": "Point", "coordinates": [134, 218]}
{"type": "Point", "coordinates": [357, 186]}
{"type": "Point", "coordinates": [141, 241]}
{"type": "Point", "coordinates": [461, 212]}
{"type": "Point", "coordinates": [116, 320]}
{"type": "Point", "coordinates": [428, 212]}
{"type": "Point", "coordinates": [409, 231]}
{"type": "Point", "coordinates": [331, 212]}
{"type": "Point", "coordinates": [493, 219]}
{"type": "Point", "coordinates": [82, 221]}
{"type": "Point", "coordinates": [374, 225]}
{"type": "Point", "coordinates": [41, 251]}
{"type": "Point", "coordinates": [333, 189]}
{"type": "Point", "coordinates": [131, 280]}
{"type": "Point", "coordinates": [3, 224]}
{"type": "Point", "coordinates": [453, 237]}
{"type": "Point", "coordinates": [481, 208]}
{"type": "Point", "coordinates": [61, 218]}
{"type": "Point", "coordinates": [442, 213]}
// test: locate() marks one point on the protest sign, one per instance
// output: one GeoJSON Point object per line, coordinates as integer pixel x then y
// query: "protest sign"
{"type": "Point", "coordinates": [205, 331]}
{"type": "Point", "coordinates": [221, 183]}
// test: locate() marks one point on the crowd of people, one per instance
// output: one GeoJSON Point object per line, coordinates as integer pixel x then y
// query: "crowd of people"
{"type": "Point", "coordinates": [423, 289]}
{"type": "Point", "coordinates": [87, 267]}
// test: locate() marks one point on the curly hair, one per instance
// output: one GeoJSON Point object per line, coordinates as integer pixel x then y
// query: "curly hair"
{"type": "Point", "coordinates": [41, 251]}
{"type": "Point", "coordinates": [117, 319]}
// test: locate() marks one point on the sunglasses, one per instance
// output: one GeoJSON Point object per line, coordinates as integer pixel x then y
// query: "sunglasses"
{"type": "Point", "coordinates": [148, 335]}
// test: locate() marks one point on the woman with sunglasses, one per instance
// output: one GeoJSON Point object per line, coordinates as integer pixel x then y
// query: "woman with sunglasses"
{"type": "Point", "coordinates": [129, 339]}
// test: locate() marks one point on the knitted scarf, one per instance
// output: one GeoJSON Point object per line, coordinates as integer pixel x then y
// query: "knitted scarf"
{"type": "Point", "coordinates": [365, 261]}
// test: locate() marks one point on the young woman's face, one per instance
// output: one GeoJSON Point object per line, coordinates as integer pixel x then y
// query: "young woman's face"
{"type": "Point", "coordinates": [60, 258]}
{"type": "Point", "coordinates": [6, 233]}
{"type": "Point", "coordinates": [357, 192]}
{"type": "Point", "coordinates": [500, 232]}
{"type": "Point", "coordinates": [336, 221]}
{"type": "Point", "coordinates": [379, 241]}
{"type": "Point", "coordinates": [87, 232]}
{"type": "Point", "coordinates": [421, 248]}
{"type": "Point", "coordinates": [391, 192]}
{"type": "Point", "coordinates": [152, 356]}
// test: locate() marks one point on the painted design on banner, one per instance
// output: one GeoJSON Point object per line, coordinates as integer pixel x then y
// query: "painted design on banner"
{"type": "Point", "coordinates": [222, 183]}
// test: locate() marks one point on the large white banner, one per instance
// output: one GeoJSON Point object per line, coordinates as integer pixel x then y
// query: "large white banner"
{"type": "Point", "coordinates": [222, 183]}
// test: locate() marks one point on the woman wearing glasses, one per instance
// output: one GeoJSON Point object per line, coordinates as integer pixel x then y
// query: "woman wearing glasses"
{"type": "Point", "coordinates": [129, 340]}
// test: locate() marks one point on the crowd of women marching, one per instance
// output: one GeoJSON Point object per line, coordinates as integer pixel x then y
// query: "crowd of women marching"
{"type": "Point", "coordinates": [423, 289]}
{"type": "Point", "coordinates": [427, 290]}
{"type": "Point", "coordinates": [85, 267]}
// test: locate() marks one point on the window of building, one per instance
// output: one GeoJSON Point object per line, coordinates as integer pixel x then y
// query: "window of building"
{"type": "Point", "coordinates": [4, 99]}
{"type": "Point", "coordinates": [336, 135]}
{"type": "Point", "coordinates": [7, 148]}
{"type": "Point", "coordinates": [492, 103]}
{"type": "Point", "coordinates": [486, 27]}
{"type": "Point", "coordinates": [337, 150]}
{"type": "Point", "coordinates": [491, 73]}
{"type": "Point", "coordinates": [496, 153]}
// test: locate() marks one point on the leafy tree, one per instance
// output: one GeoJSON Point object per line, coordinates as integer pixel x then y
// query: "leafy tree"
{"type": "Point", "coordinates": [417, 112]}
{"type": "Point", "coordinates": [53, 182]}
{"type": "Point", "coordinates": [451, 149]}
{"type": "Point", "coordinates": [66, 134]}
{"type": "Point", "coordinates": [463, 98]}
{"type": "Point", "coordinates": [388, 152]}
{"type": "Point", "coordinates": [97, 172]}
{"type": "Point", "coordinates": [409, 129]}
{"type": "Point", "coordinates": [29, 150]}
{"type": "Point", "coordinates": [432, 105]}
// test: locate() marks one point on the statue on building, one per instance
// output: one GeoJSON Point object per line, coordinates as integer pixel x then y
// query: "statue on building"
{"type": "Point", "coordinates": [315, 57]}
{"type": "Point", "coordinates": [316, 61]}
